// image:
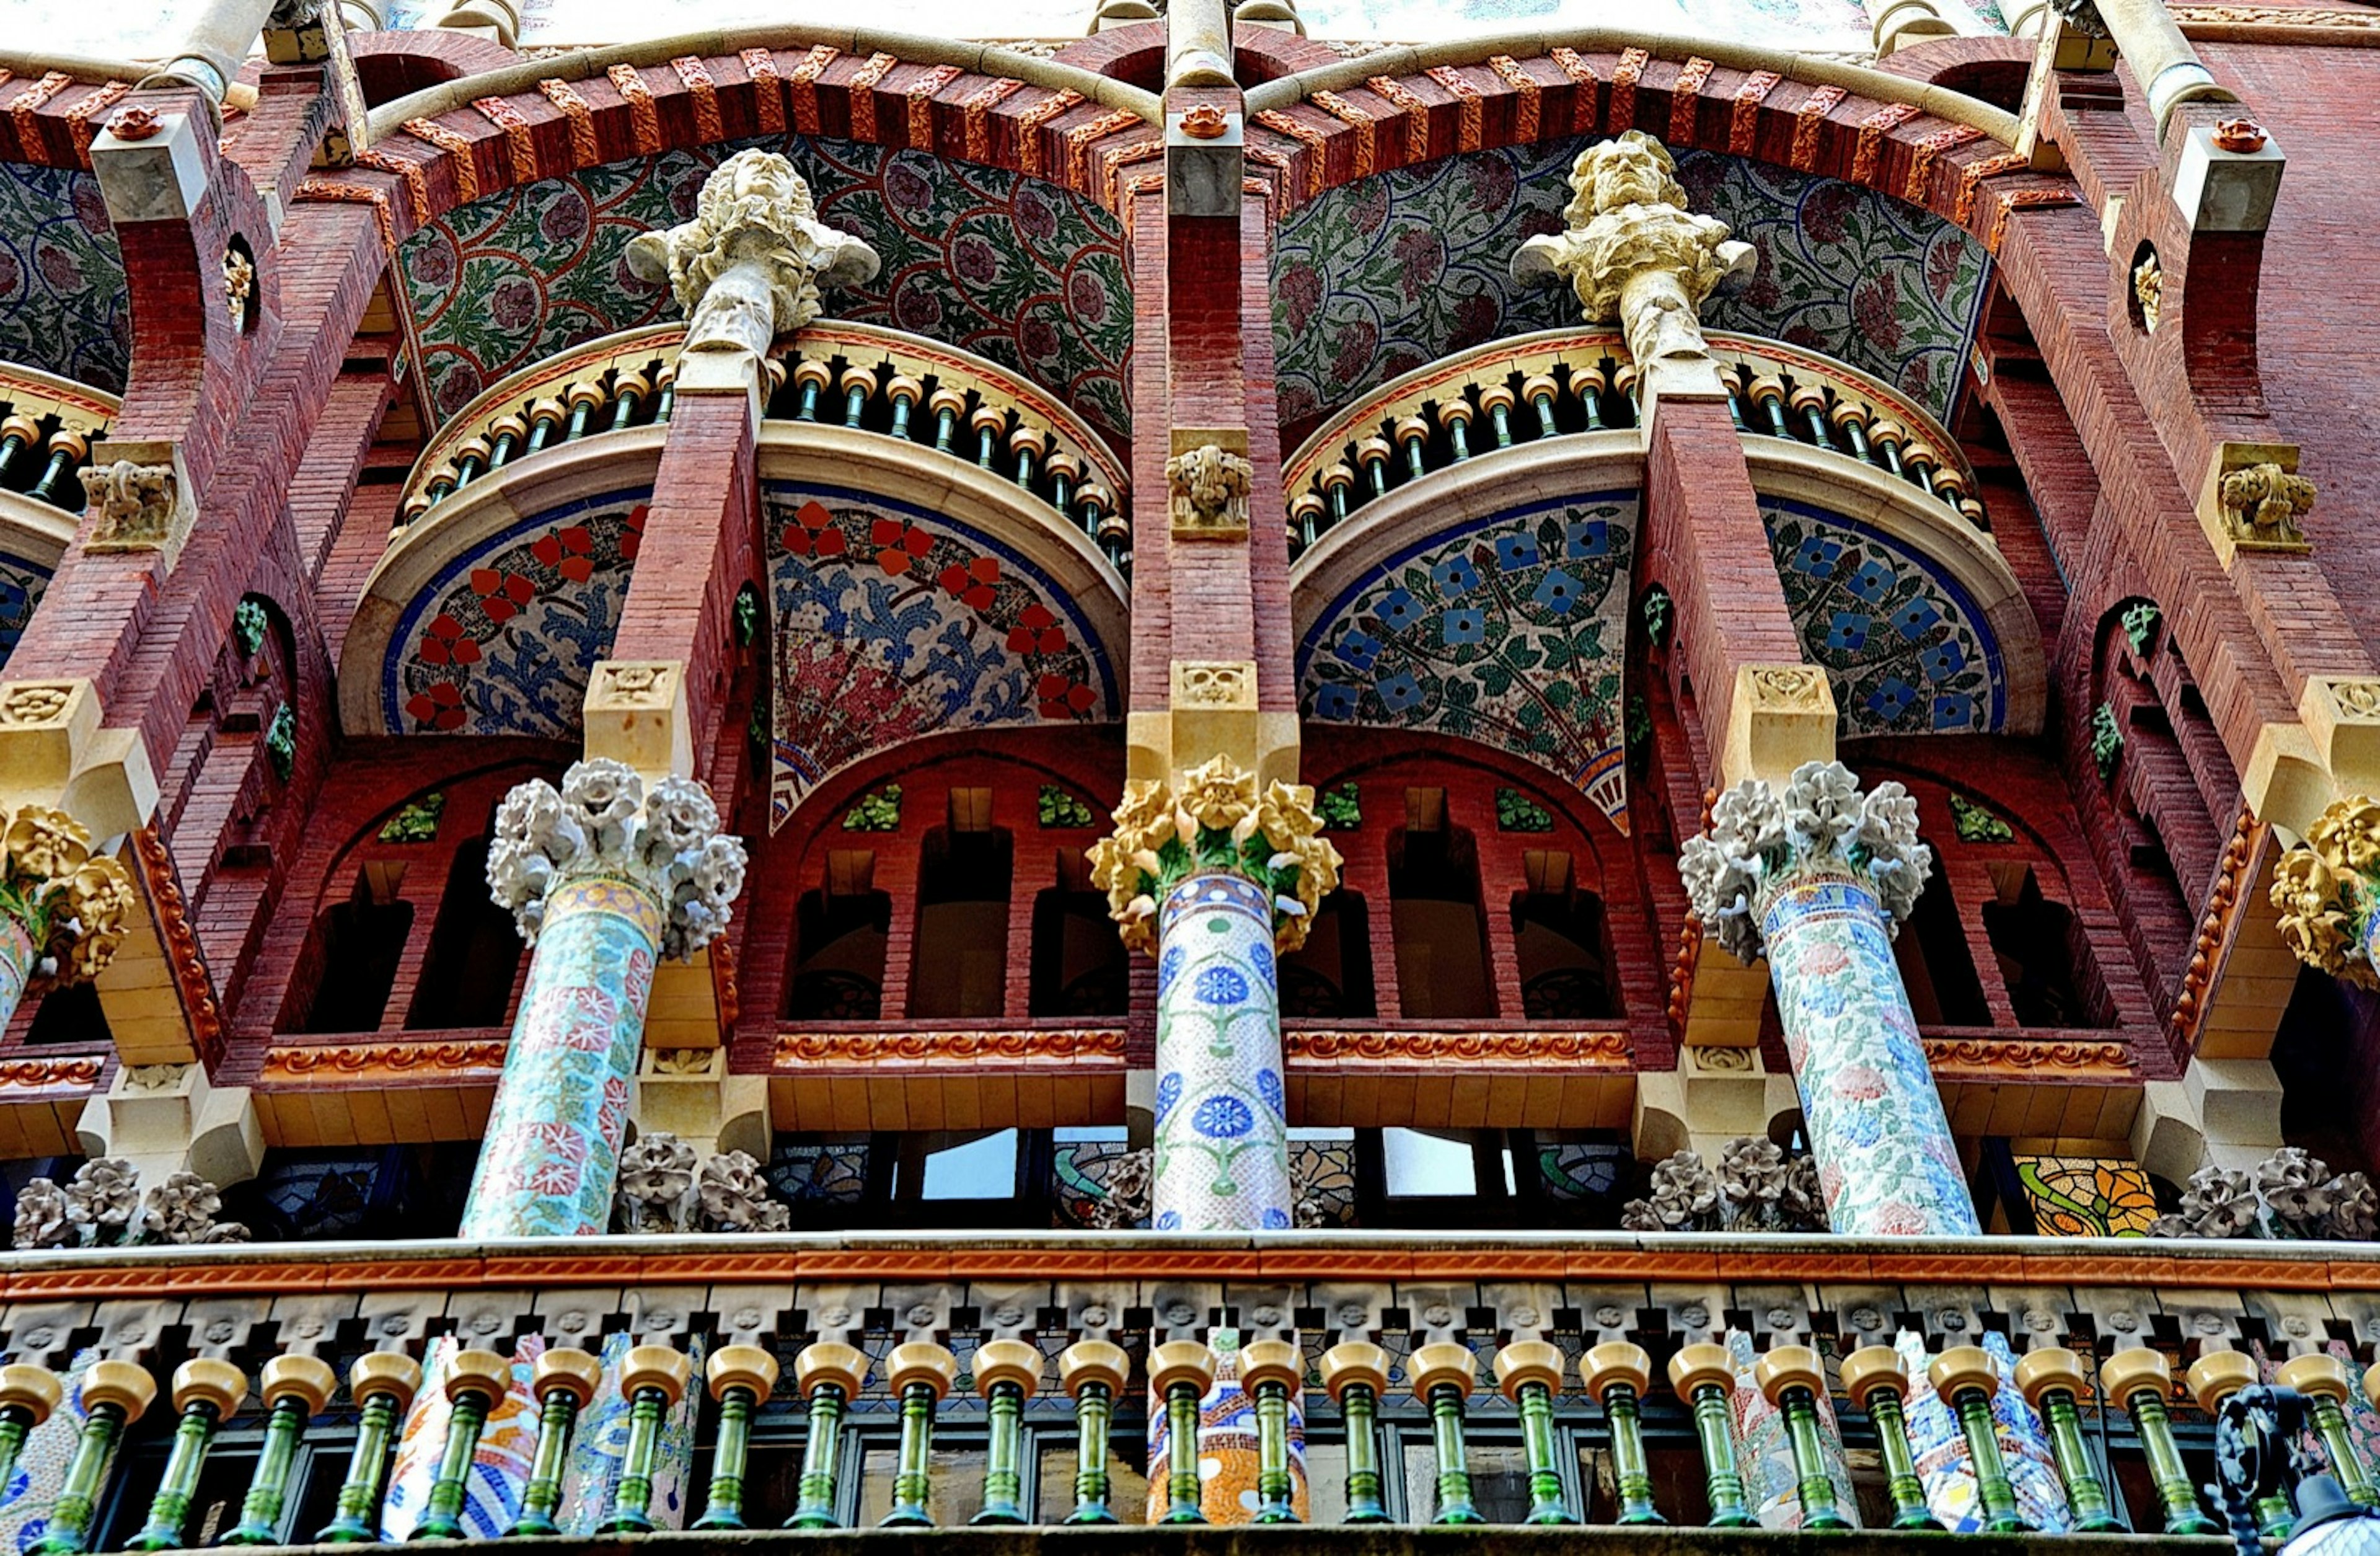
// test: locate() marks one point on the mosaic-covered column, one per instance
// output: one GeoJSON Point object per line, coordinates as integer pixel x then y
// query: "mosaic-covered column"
{"type": "Point", "coordinates": [2327, 893]}
{"type": "Point", "coordinates": [1818, 879]}
{"type": "Point", "coordinates": [63, 910]}
{"type": "Point", "coordinates": [602, 877]}
{"type": "Point", "coordinates": [1216, 879]}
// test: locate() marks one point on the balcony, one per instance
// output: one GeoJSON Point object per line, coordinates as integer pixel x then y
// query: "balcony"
{"type": "Point", "coordinates": [845, 1381]}
{"type": "Point", "coordinates": [1568, 382]}
{"type": "Point", "coordinates": [47, 427]}
{"type": "Point", "coordinates": [856, 376]}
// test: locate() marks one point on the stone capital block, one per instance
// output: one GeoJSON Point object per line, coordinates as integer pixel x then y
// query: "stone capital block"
{"type": "Point", "coordinates": [1780, 716]}
{"type": "Point", "coordinates": [635, 713]}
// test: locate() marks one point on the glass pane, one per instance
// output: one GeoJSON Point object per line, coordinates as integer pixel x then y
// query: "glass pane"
{"type": "Point", "coordinates": [981, 1169]}
{"type": "Point", "coordinates": [957, 1493]}
{"type": "Point", "coordinates": [1425, 1164]}
{"type": "Point", "coordinates": [1499, 1482]}
{"type": "Point", "coordinates": [1127, 1487]}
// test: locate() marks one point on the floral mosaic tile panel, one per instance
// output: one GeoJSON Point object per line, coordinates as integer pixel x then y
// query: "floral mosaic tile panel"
{"type": "Point", "coordinates": [21, 586]}
{"type": "Point", "coordinates": [894, 622]}
{"type": "Point", "coordinates": [1383, 276]}
{"type": "Point", "coordinates": [64, 308]}
{"type": "Point", "coordinates": [1011, 268]}
{"type": "Point", "coordinates": [1907, 650]}
{"type": "Point", "coordinates": [1507, 629]}
{"type": "Point", "coordinates": [504, 639]}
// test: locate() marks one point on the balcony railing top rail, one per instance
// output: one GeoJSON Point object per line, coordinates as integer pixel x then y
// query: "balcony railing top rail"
{"type": "Point", "coordinates": [875, 380]}
{"type": "Point", "coordinates": [1562, 382]}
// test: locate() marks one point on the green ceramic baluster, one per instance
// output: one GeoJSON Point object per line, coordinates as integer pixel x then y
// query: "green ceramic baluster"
{"type": "Point", "coordinates": [1093, 1371]}
{"type": "Point", "coordinates": [2215, 1378]}
{"type": "Point", "coordinates": [2053, 1381]}
{"type": "Point", "coordinates": [1180, 1373]}
{"type": "Point", "coordinates": [1965, 1377]}
{"type": "Point", "coordinates": [1618, 1374]}
{"type": "Point", "coordinates": [811, 379]}
{"type": "Point", "coordinates": [830, 1373]}
{"type": "Point", "coordinates": [740, 1377]}
{"type": "Point", "coordinates": [1355, 1373]}
{"type": "Point", "coordinates": [1791, 1378]}
{"type": "Point", "coordinates": [1007, 1373]}
{"type": "Point", "coordinates": [2322, 1379]}
{"type": "Point", "coordinates": [1529, 1374]}
{"type": "Point", "coordinates": [1443, 1376]}
{"type": "Point", "coordinates": [114, 1394]}
{"type": "Point", "coordinates": [30, 1395]}
{"type": "Point", "coordinates": [1703, 1376]}
{"type": "Point", "coordinates": [473, 1382]}
{"type": "Point", "coordinates": [1877, 1380]}
{"type": "Point", "coordinates": [562, 1381]}
{"type": "Point", "coordinates": [207, 1393]}
{"type": "Point", "coordinates": [294, 1389]}
{"type": "Point", "coordinates": [653, 1378]}
{"type": "Point", "coordinates": [922, 1373]}
{"type": "Point", "coordinates": [1273, 1372]}
{"type": "Point", "coordinates": [1496, 400]}
{"type": "Point", "coordinates": [2139, 1379]}
{"type": "Point", "coordinates": [383, 1384]}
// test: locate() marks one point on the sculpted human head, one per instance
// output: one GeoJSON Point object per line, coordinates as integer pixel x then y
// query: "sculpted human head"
{"type": "Point", "coordinates": [1632, 169]}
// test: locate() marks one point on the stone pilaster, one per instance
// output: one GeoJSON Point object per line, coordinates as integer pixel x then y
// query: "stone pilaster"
{"type": "Point", "coordinates": [1818, 877]}
{"type": "Point", "coordinates": [603, 877]}
{"type": "Point", "coordinates": [1215, 877]}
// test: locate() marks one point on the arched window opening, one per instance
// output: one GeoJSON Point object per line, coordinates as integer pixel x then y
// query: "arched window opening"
{"type": "Point", "coordinates": [1442, 936]}
{"type": "Point", "coordinates": [2044, 957]}
{"type": "Point", "coordinates": [1331, 976]}
{"type": "Point", "coordinates": [1079, 966]}
{"type": "Point", "coordinates": [960, 967]}
{"type": "Point", "coordinates": [467, 977]}
{"type": "Point", "coordinates": [1563, 944]}
{"type": "Point", "coordinates": [354, 949]}
{"type": "Point", "coordinates": [839, 933]}
{"type": "Point", "coordinates": [1936, 967]}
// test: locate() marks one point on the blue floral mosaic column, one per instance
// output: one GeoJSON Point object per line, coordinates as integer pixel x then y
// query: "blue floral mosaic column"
{"type": "Point", "coordinates": [602, 877]}
{"type": "Point", "coordinates": [1818, 880]}
{"type": "Point", "coordinates": [1223, 1136]}
{"type": "Point", "coordinates": [1216, 879]}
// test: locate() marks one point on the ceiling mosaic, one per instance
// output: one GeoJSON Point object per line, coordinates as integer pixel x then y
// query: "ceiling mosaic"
{"type": "Point", "coordinates": [502, 639]}
{"type": "Point", "coordinates": [892, 621]}
{"type": "Point", "coordinates": [1380, 276]}
{"type": "Point", "coordinates": [64, 307]}
{"type": "Point", "coordinates": [1508, 630]}
{"type": "Point", "coordinates": [1011, 268]}
{"type": "Point", "coordinates": [1905, 647]}
{"type": "Point", "coordinates": [22, 586]}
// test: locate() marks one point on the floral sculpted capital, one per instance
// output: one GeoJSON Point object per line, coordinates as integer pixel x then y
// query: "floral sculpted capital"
{"type": "Point", "coordinates": [1216, 820]}
{"type": "Point", "coordinates": [1760, 841]}
{"type": "Point", "coordinates": [2326, 890]}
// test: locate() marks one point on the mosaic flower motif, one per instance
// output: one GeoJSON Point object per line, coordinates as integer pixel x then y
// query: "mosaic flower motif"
{"type": "Point", "coordinates": [1223, 1118]}
{"type": "Point", "coordinates": [1221, 986]}
{"type": "Point", "coordinates": [1169, 1092]}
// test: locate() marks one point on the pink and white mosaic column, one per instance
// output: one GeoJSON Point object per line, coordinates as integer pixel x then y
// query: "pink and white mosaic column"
{"type": "Point", "coordinates": [1818, 879]}
{"type": "Point", "coordinates": [603, 876]}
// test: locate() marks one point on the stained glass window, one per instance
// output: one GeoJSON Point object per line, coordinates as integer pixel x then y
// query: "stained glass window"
{"type": "Point", "coordinates": [2085, 1195]}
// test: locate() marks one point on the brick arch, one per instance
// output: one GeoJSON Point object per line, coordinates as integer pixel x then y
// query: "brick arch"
{"type": "Point", "coordinates": [1895, 148]}
{"type": "Point", "coordinates": [429, 165]}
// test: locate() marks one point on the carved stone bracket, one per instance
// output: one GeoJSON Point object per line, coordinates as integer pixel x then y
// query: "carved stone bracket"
{"type": "Point", "coordinates": [604, 822]}
{"type": "Point", "coordinates": [136, 500]}
{"type": "Point", "coordinates": [1216, 821]}
{"type": "Point", "coordinates": [2253, 499]}
{"type": "Point", "coordinates": [751, 263]}
{"type": "Point", "coordinates": [1207, 479]}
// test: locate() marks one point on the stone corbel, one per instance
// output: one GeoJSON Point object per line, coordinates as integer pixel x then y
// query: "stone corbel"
{"type": "Point", "coordinates": [688, 1092]}
{"type": "Point", "coordinates": [171, 1118]}
{"type": "Point", "coordinates": [1208, 480]}
{"type": "Point", "coordinates": [138, 498]}
{"type": "Point", "coordinates": [1715, 1095]}
{"type": "Point", "coordinates": [635, 712]}
{"type": "Point", "coordinates": [55, 751]}
{"type": "Point", "coordinates": [2251, 500]}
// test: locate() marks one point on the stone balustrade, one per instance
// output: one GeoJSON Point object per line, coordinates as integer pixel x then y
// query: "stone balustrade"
{"type": "Point", "coordinates": [47, 427]}
{"type": "Point", "coordinates": [159, 1398]}
{"type": "Point", "coordinates": [1562, 382]}
{"type": "Point", "coordinates": [851, 375]}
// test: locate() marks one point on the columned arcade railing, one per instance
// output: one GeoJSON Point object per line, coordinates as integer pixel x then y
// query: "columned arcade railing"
{"type": "Point", "coordinates": [1560, 383]}
{"type": "Point", "coordinates": [47, 427]}
{"type": "Point", "coordinates": [848, 375]}
{"type": "Point", "coordinates": [165, 1398]}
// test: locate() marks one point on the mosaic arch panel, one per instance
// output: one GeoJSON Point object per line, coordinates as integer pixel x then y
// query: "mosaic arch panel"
{"type": "Point", "coordinates": [1014, 268]}
{"type": "Point", "coordinates": [1902, 641]}
{"type": "Point", "coordinates": [1380, 276]}
{"type": "Point", "coordinates": [1507, 630]}
{"type": "Point", "coordinates": [893, 622]}
{"type": "Point", "coordinates": [502, 639]}
{"type": "Point", "coordinates": [22, 583]}
{"type": "Point", "coordinates": [64, 305]}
